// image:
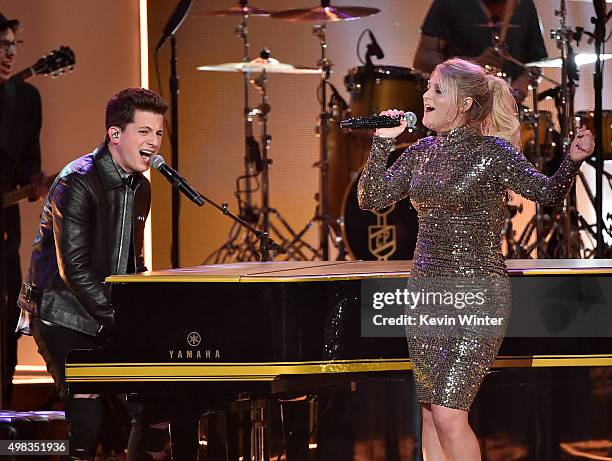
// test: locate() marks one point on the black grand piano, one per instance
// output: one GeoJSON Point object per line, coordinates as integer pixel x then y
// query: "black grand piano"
{"type": "Point", "coordinates": [210, 335]}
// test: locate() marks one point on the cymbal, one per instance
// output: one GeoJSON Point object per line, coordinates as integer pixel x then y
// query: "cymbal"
{"type": "Point", "coordinates": [237, 10]}
{"type": "Point", "coordinates": [325, 13]}
{"type": "Point", "coordinates": [271, 66]}
{"type": "Point", "coordinates": [495, 25]}
{"type": "Point", "coordinates": [581, 59]}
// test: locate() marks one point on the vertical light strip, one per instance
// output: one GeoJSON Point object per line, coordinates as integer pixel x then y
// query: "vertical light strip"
{"type": "Point", "coordinates": [144, 82]}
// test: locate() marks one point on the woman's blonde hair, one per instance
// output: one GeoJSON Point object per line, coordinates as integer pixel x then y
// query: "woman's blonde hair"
{"type": "Point", "coordinates": [494, 111]}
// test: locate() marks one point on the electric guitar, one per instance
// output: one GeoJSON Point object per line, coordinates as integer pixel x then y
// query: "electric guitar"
{"type": "Point", "coordinates": [56, 63]}
{"type": "Point", "coordinates": [21, 193]}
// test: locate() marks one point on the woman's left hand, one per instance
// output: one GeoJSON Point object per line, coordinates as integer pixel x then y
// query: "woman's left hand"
{"type": "Point", "coordinates": [582, 146]}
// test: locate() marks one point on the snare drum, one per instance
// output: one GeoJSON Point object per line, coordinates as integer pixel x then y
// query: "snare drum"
{"type": "Point", "coordinates": [384, 235]}
{"type": "Point", "coordinates": [588, 118]}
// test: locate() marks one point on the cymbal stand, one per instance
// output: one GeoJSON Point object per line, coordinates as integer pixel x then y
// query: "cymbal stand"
{"type": "Point", "coordinates": [293, 245]}
{"type": "Point", "coordinates": [516, 248]}
{"type": "Point", "coordinates": [569, 77]}
{"type": "Point", "coordinates": [567, 221]}
{"type": "Point", "coordinates": [240, 246]}
{"type": "Point", "coordinates": [599, 37]}
{"type": "Point", "coordinates": [321, 215]}
{"type": "Point", "coordinates": [537, 155]}
{"type": "Point", "coordinates": [319, 30]}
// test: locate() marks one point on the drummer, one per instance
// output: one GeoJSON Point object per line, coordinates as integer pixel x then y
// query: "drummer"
{"type": "Point", "coordinates": [453, 28]}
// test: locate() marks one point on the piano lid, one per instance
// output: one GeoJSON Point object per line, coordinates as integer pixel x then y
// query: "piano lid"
{"type": "Point", "coordinates": [325, 271]}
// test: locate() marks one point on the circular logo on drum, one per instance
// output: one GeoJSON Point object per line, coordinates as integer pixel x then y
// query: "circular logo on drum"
{"type": "Point", "coordinates": [194, 339]}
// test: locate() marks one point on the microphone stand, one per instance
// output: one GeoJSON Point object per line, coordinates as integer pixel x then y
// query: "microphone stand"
{"type": "Point", "coordinates": [174, 109]}
{"type": "Point", "coordinates": [266, 244]}
{"type": "Point", "coordinates": [174, 23]}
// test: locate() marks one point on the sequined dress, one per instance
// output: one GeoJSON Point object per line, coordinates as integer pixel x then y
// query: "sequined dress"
{"type": "Point", "coordinates": [457, 182]}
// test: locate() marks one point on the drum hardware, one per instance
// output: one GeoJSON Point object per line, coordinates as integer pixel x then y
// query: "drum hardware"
{"type": "Point", "coordinates": [531, 123]}
{"type": "Point", "coordinates": [242, 9]}
{"type": "Point", "coordinates": [499, 29]}
{"type": "Point", "coordinates": [580, 59]}
{"type": "Point", "coordinates": [537, 157]}
{"type": "Point", "coordinates": [322, 208]}
{"type": "Point", "coordinates": [268, 65]}
{"type": "Point", "coordinates": [564, 102]}
{"type": "Point", "coordinates": [387, 234]}
{"type": "Point", "coordinates": [372, 90]}
{"type": "Point", "coordinates": [598, 36]}
{"type": "Point", "coordinates": [325, 13]}
{"type": "Point", "coordinates": [238, 244]}
{"type": "Point", "coordinates": [241, 245]}
{"type": "Point", "coordinates": [513, 249]}
{"type": "Point", "coordinates": [561, 234]}
{"type": "Point", "coordinates": [321, 15]}
{"type": "Point", "coordinates": [564, 35]}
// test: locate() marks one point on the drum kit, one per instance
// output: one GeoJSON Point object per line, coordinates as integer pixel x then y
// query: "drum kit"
{"type": "Point", "coordinates": [391, 233]}
{"type": "Point", "coordinates": [558, 230]}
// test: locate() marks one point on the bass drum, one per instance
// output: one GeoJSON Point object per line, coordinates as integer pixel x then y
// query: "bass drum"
{"type": "Point", "coordinates": [388, 234]}
{"type": "Point", "coordinates": [380, 88]}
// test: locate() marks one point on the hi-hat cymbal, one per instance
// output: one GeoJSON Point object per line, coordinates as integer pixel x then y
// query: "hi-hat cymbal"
{"type": "Point", "coordinates": [325, 13]}
{"type": "Point", "coordinates": [241, 9]}
{"type": "Point", "coordinates": [581, 59]}
{"type": "Point", "coordinates": [271, 66]}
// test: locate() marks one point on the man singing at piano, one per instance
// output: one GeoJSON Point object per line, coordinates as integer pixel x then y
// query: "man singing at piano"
{"type": "Point", "coordinates": [92, 226]}
{"type": "Point", "coordinates": [457, 181]}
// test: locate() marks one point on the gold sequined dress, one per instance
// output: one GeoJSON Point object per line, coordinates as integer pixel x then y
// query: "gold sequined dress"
{"type": "Point", "coordinates": [457, 182]}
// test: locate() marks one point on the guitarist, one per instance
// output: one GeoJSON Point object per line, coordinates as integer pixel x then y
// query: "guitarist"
{"type": "Point", "coordinates": [20, 121]}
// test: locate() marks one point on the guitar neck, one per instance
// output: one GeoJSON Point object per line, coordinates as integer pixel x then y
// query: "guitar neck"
{"type": "Point", "coordinates": [24, 74]}
{"type": "Point", "coordinates": [17, 195]}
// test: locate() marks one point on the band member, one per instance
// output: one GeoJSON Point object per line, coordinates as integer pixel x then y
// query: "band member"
{"type": "Point", "coordinates": [457, 182]}
{"type": "Point", "coordinates": [20, 121]}
{"type": "Point", "coordinates": [92, 226]}
{"type": "Point", "coordinates": [454, 28]}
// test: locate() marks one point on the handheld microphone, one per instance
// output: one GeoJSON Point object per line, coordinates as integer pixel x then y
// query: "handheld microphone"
{"type": "Point", "coordinates": [379, 121]}
{"type": "Point", "coordinates": [158, 162]}
{"type": "Point", "coordinates": [176, 20]}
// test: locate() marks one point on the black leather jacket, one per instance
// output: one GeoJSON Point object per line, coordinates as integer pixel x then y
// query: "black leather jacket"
{"type": "Point", "coordinates": [84, 236]}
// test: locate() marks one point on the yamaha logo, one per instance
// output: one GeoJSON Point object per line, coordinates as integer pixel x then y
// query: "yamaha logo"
{"type": "Point", "coordinates": [194, 339]}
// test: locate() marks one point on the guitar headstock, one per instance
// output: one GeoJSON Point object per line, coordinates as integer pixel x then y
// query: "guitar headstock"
{"type": "Point", "coordinates": [56, 63]}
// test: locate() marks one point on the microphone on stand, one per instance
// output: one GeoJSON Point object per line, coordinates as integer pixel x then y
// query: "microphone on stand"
{"type": "Point", "coordinates": [158, 162]}
{"type": "Point", "coordinates": [176, 20]}
{"type": "Point", "coordinates": [379, 121]}
{"type": "Point", "coordinates": [374, 48]}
